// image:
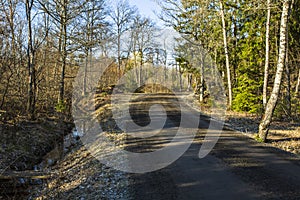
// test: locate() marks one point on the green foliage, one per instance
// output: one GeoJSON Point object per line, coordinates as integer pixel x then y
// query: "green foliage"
{"type": "Point", "coordinates": [60, 106]}
{"type": "Point", "coordinates": [258, 139]}
{"type": "Point", "coordinates": [245, 95]}
{"type": "Point", "coordinates": [244, 102]}
{"type": "Point", "coordinates": [249, 65]}
{"type": "Point", "coordinates": [103, 94]}
{"type": "Point", "coordinates": [246, 21]}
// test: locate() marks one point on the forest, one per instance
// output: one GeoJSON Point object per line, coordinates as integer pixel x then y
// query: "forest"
{"type": "Point", "coordinates": [45, 44]}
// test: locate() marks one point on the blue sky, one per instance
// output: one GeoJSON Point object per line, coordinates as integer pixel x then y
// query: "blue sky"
{"type": "Point", "coordinates": [146, 8]}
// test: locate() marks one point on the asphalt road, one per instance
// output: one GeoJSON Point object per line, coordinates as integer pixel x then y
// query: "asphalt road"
{"type": "Point", "coordinates": [237, 167]}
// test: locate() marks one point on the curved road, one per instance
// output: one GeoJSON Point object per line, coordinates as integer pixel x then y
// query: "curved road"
{"type": "Point", "coordinates": [237, 168]}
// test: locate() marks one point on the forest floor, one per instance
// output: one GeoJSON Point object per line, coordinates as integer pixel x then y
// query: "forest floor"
{"type": "Point", "coordinates": [283, 135]}
{"type": "Point", "coordinates": [23, 145]}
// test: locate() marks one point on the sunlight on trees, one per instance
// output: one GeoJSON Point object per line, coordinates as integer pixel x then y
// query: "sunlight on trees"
{"type": "Point", "coordinates": [44, 43]}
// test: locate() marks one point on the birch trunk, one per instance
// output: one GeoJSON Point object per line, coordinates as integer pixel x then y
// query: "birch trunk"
{"type": "Point", "coordinates": [226, 53]}
{"type": "Point", "coordinates": [266, 74]}
{"type": "Point", "coordinates": [298, 84]}
{"type": "Point", "coordinates": [270, 107]}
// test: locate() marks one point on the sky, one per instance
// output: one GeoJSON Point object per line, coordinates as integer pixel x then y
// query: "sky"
{"type": "Point", "coordinates": [147, 8]}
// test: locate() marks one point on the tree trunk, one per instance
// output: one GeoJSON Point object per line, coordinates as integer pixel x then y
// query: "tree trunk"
{"type": "Point", "coordinates": [140, 69]}
{"type": "Point", "coordinates": [226, 53]}
{"type": "Point", "coordinates": [64, 52]}
{"type": "Point", "coordinates": [119, 52]}
{"type": "Point", "coordinates": [6, 90]}
{"type": "Point", "coordinates": [180, 78]}
{"type": "Point", "coordinates": [298, 84]}
{"type": "Point", "coordinates": [87, 51]}
{"type": "Point", "coordinates": [85, 74]}
{"type": "Point", "coordinates": [190, 80]}
{"type": "Point", "coordinates": [266, 74]}
{"type": "Point", "coordinates": [201, 79]}
{"type": "Point", "coordinates": [288, 78]}
{"type": "Point", "coordinates": [30, 63]}
{"type": "Point", "coordinates": [266, 121]}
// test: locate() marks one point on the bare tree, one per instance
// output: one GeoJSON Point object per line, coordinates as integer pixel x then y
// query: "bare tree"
{"type": "Point", "coordinates": [143, 32]}
{"type": "Point", "coordinates": [8, 12]}
{"type": "Point", "coordinates": [34, 41]}
{"type": "Point", "coordinates": [121, 15]}
{"type": "Point", "coordinates": [92, 20]}
{"type": "Point", "coordinates": [62, 12]}
{"type": "Point", "coordinates": [30, 61]}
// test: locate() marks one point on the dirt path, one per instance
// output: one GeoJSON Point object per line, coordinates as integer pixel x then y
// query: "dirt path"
{"type": "Point", "coordinates": [237, 168]}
